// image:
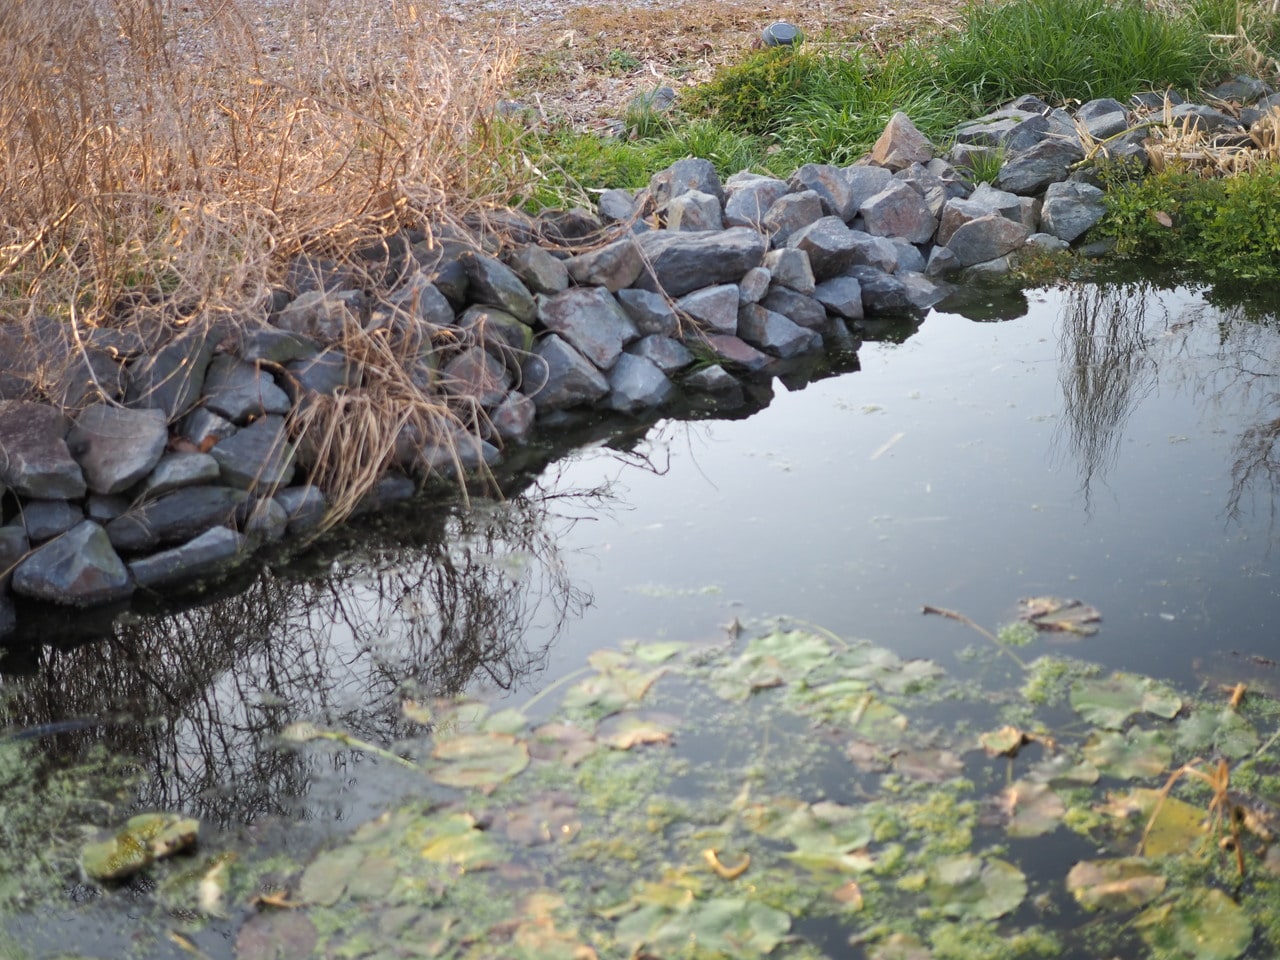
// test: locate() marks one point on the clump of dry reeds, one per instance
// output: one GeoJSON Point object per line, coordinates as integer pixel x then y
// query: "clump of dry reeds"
{"type": "Point", "coordinates": [162, 161]}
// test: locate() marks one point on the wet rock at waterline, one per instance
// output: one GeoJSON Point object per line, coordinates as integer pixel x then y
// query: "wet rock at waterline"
{"type": "Point", "coordinates": [80, 568]}
{"type": "Point", "coordinates": [211, 553]}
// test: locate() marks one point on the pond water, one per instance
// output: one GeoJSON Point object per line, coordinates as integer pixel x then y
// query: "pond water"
{"type": "Point", "coordinates": [1113, 443]}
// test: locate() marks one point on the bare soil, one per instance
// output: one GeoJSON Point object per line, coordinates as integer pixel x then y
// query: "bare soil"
{"type": "Point", "coordinates": [582, 63]}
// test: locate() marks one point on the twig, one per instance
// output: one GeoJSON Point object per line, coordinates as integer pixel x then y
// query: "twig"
{"type": "Point", "coordinates": [961, 618]}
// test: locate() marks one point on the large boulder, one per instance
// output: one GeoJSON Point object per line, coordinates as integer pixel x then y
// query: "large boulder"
{"type": "Point", "coordinates": [174, 517]}
{"type": "Point", "coordinates": [79, 568]}
{"type": "Point", "coordinates": [34, 459]}
{"type": "Point", "coordinates": [556, 376]}
{"type": "Point", "coordinates": [678, 262]}
{"type": "Point", "coordinates": [590, 319]}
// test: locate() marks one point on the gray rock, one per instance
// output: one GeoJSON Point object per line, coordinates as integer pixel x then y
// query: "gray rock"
{"type": "Point", "coordinates": [512, 419]}
{"type": "Point", "coordinates": [591, 320]}
{"type": "Point", "coordinates": [42, 519]}
{"type": "Point", "coordinates": [921, 292]}
{"type": "Point", "coordinates": [682, 177]}
{"type": "Point", "coordinates": [666, 354]}
{"type": "Point", "coordinates": [986, 238]}
{"type": "Point", "coordinates": [984, 201]}
{"type": "Point", "coordinates": [650, 312]}
{"type": "Point", "coordinates": [557, 376]}
{"type": "Point", "coordinates": [865, 181]}
{"type": "Point", "coordinates": [507, 338]}
{"type": "Point", "coordinates": [636, 384]}
{"type": "Point", "coordinates": [276, 346]}
{"type": "Point", "coordinates": [78, 569]}
{"type": "Point", "coordinates": [211, 554]}
{"type": "Point", "coordinates": [790, 268]}
{"type": "Point", "coordinates": [1071, 208]}
{"type": "Point", "coordinates": [13, 547]}
{"type": "Point", "coordinates": [883, 253]}
{"type": "Point", "coordinates": [1240, 89]}
{"type": "Point", "coordinates": [803, 311]}
{"type": "Point", "coordinates": [177, 470]}
{"type": "Point", "coordinates": [305, 506]}
{"type": "Point", "coordinates": [830, 246]}
{"type": "Point", "coordinates": [1032, 170]}
{"type": "Point", "coordinates": [477, 375]}
{"type": "Point", "coordinates": [101, 509]}
{"type": "Point", "coordinates": [322, 314]}
{"type": "Point", "coordinates": [172, 378]}
{"type": "Point", "coordinates": [832, 186]}
{"type": "Point", "coordinates": [1103, 118]}
{"type": "Point", "coordinates": [901, 144]}
{"type": "Point", "coordinates": [1155, 100]}
{"type": "Point", "coordinates": [882, 293]}
{"type": "Point", "coordinates": [390, 488]}
{"type": "Point", "coordinates": [1015, 133]}
{"type": "Point", "coordinates": [492, 282]}
{"type": "Point", "coordinates": [909, 257]}
{"type": "Point", "coordinates": [718, 383]}
{"type": "Point", "coordinates": [997, 267]}
{"type": "Point", "coordinates": [326, 374]}
{"type": "Point", "coordinates": [202, 427]}
{"type": "Point", "coordinates": [421, 300]}
{"type": "Point", "coordinates": [695, 210]}
{"type": "Point", "coordinates": [737, 352]}
{"type": "Point", "coordinates": [259, 455]}
{"type": "Point", "coordinates": [241, 391]}
{"type": "Point", "coordinates": [773, 333]}
{"type": "Point", "coordinates": [714, 308]}
{"type": "Point", "coordinates": [749, 197]}
{"type": "Point", "coordinates": [841, 296]}
{"type": "Point", "coordinates": [790, 213]}
{"type": "Point", "coordinates": [754, 285]}
{"type": "Point", "coordinates": [1197, 116]}
{"type": "Point", "coordinates": [1047, 242]}
{"type": "Point", "coordinates": [898, 211]}
{"type": "Point", "coordinates": [174, 517]}
{"type": "Point", "coordinates": [34, 459]}
{"type": "Point", "coordinates": [617, 206]}
{"type": "Point", "coordinates": [267, 522]}
{"type": "Point", "coordinates": [538, 269]}
{"type": "Point", "coordinates": [942, 261]}
{"type": "Point", "coordinates": [613, 266]}
{"type": "Point", "coordinates": [680, 262]}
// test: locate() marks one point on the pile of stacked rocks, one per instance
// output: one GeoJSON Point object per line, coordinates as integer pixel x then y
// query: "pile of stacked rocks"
{"type": "Point", "coordinates": [157, 461]}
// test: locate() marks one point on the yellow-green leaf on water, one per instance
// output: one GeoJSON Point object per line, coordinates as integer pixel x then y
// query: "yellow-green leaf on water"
{"type": "Point", "coordinates": [325, 880]}
{"type": "Point", "coordinates": [629, 731]}
{"type": "Point", "coordinates": [1133, 754]}
{"type": "Point", "coordinates": [928, 765]}
{"type": "Point", "coordinates": [480, 760]}
{"type": "Point", "coordinates": [657, 652]}
{"type": "Point", "coordinates": [456, 839]}
{"type": "Point", "coordinates": [1222, 731]}
{"type": "Point", "coordinates": [549, 819]}
{"type": "Point", "coordinates": [1200, 925]}
{"type": "Point", "coordinates": [1120, 884]}
{"type": "Point", "coordinates": [899, 946]}
{"type": "Point", "coordinates": [1006, 741]}
{"type": "Point", "coordinates": [1110, 701]}
{"type": "Point", "coordinates": [728, 927]}
{"type": "Point", "coordinates": [614, 689]}
{"type": "Point", "coordinates": [1178, 826]}
{"type": "Point", "coordinates": [1060, 616]}
{"type": "Point", "coordinates": [970, 887]}
{"type": "Point", "coordinates": [144, 839]}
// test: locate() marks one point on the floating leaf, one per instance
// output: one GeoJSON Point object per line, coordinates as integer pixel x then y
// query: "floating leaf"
{"type": "Point", "coordinates": [1178, 826]}
{"type": "Point", "coordinates": [275, 935]}
{"type": "Point", "coordinates": [969, 887]}
{"type": "Point", "coordinates": [325, 879]}
{"type": "Point", "coordinates": [1129, 755]}
{"type": "Point", "coordinates": [1121, 884]}
{"type": "Point", "coordinates": [1222, 731]}
{"type": "Point", "coordinates": [1060, 616]}
{"type": "Point", "coordinates": [1203, 925]}
{"type": "Point", "coordinates": [143, 839]}
{"type": "Point", "coordinates": [1110, 701]}
{"type": "Point", "coordinates": [885, 669]}
{"type": "Point", "coordinates": [771, 660]}
{"type": "Point", "coordinates": [1062, 769]}
{"type": "Point", "coordinates": [614, 689]}
{"type": "Point", "coordinates": [826, 836]}
{"type": "Point", "coordinates": [504, 721]}
{"type": "Point", "coordinates": [1006, 741]}
{"type": "Point", "coordinates": [549, 819]}
{"type": "Point", "coordinates": [456, 839]}
{"type": "Point", "coordinates": [632, 731]}
{"type": "Point", "coordinates": [729, 926]}
{"type": "Point", "coordinates": [658, 652]}
{"type": "Point", "coordinates": [564, 743]}
{"type": "Point", "coordinates": [1032, 808]}
{"type": "Point", "coordinates": [900, 946]}
{"type": "Point", "coordinates": [927, 765]}
{"type": "Point", "coordinates": [481, 760]}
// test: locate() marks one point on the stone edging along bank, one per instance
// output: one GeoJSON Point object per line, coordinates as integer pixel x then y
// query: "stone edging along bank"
{"type": "Point", "coordinates": [748, 275]}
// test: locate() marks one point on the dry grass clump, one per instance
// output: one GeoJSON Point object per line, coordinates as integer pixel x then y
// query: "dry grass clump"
{"type": "Point", "coordinates": [184, 150]}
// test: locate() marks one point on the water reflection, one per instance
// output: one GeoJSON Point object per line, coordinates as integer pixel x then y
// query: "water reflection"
{"type": "Point", "coordinates": [428, 604]}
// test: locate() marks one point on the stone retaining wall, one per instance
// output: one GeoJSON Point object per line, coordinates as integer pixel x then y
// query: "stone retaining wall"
{"type": "Point", "coordinates": [178, 458]}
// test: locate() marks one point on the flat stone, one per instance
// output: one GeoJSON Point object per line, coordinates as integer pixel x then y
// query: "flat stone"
{"type": "Point", "coordinates": [591, 320]}
{"type": "Point", "coordinates": [882, 253]}
{"type": "Point", "coordinates": [921, 292]}
{"type": "Point", "coordinates": [717, 383]}
{"type": "Point", "coordinates": [211, 554]}
{"type": "Point", "coordinates": [801, 310]}
{"type": "Point", "coordinates": [666, 354]}
{"type": "Point", "coordinates": [713, 308]}
{"type": "Point", "coordinates": [650, 312]}
{"type": "Point", "coordinates": [754, 285]}
{"type": "Point", "coordinates": [617, 205]}
{"type": "Point", "coordinates": [865, 181]}
{"type": "Point", "coordinates": [1200, 117]}
{"type": "Point", "coordinates": [678, 262]}
{"type": "Point", "coordinates": [684, 176]}
{"type": "Point", "coordinates": [1103, 118]}
{"type": "Point", "coordinates": [43, 519]}
{"type": "Point", "coordinates": [177, 470]}
{"type": "Point", "coordinates": [1013, 133]}
{"type": "Point", "coordinates": [322, 314]}
{"type": "Point", "coordinates": [636, 384]}
{"type": "Point", "coordinates": [986, 238]}
{"type": "Point", "coordinates": [205, 428]}
{"type": "Point", "coordinates": [277, 346]}
{"type": "Point", "coordinates": [34, 459]}
{"type": "Point", "coordinates": [241, 391]}
{"type": "Point", "coordinates": [791, 213]}
{"type": "Point", "coordinates": [737, 352]}
{"type": "Point", "coordinates": [326, 374]}
{"type": "Point", "coordinates": [901, 144]}
{"type": "Point", "coordinates": [774, 333]}
{"type": "Point", "coordinates": [1032, 170]}
{"type": "Point", "coordinates": [305, 506]}
{"type": "Point", "coordinates": [79, 569]}
{"type": "Point", "coordinates": [174, 517]}
{"type": "Point", "coordinates": [493, 282]}
{"type": "Point", "coordinates": [556, 376]}
{"type": "Point", "coordinates": [259, 455]}
{"type": "Point", "coordinates": [832, 186]}
{"type": "Point", "coordinates": [882, 294]}
{"type": "Point", "coordinates": [614, 266]}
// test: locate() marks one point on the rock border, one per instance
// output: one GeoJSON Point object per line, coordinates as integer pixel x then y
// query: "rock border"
{"type": "Point", "coordinates": [179, 462]}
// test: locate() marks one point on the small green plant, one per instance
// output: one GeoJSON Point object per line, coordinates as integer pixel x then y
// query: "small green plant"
{"type": "Point", "coordinates": [620, 62]}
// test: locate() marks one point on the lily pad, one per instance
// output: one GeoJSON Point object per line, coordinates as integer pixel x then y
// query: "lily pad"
{"type": "Point", "coordinates": [615, 688]}
{"type": "Point", "coordinates": [1203, 925]}
{"type": "Point", "coordinates": [564, 743]}
{"type": "Point", "coordinates": [1217, 731]}
{"type": "Point", "coordinates": [325, 879]}
{"type": "Point", "coordinates": [1130, 755]}
{"type": "Point", "coordinates": [1006, 741]}
{"type": "Point", "coordinates": [1124, 883]}
{"type": "Point", "coordinates": [771, 660]}
{"type": "Point", "coordinates": [928, 765]}
{"type": "Point", "coordinates": [144, 839]}
{"type": "Point", "coordinates": [1110, 701]}
{"type": "Point", "coordinates": [1175, 826]}
{"type": "Point", "coordinates": [972, 888]}
{"type": "Point", "coordinates": [480, 760]}
{"type": "Point", "coordinates": [728, 926]}
{"type": "Point", "coordinates": [549, 819]}
{"type": "Point", "coordinates": [1032, 809]}
{"type": "Point", "coordinates": [631, 731]}
{"type": "Point", "coordinates": [1062, 769]}
{"type": "Point", "coordinates": [885, 669]}
{"type": "Point", "coordinates": [456, 839]}
{"type": "Point", "coordinates": [825, 835]}
{"type": "Point", "coordinates": [1060, 616]}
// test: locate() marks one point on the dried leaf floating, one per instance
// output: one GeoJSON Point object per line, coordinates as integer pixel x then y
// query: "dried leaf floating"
{"type": "Point", "coordinates": [1060, 616]}
{"type": "Point", "coordinates": [721, 870]}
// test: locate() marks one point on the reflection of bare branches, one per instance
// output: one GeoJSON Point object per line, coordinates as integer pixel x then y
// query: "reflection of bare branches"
{"type": "Point", "coordinates": [1104, 370]}
{"type": "Point", "coordinates": [1257, 461]}
{"type": "Point", "coordinates": [463, 600]}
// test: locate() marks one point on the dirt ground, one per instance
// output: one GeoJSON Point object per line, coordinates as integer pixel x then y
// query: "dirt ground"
{"type": "Point", "coordinates": [584, 62]}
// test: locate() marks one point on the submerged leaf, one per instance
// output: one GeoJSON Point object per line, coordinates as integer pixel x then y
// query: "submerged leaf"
{"type": "Point", "coordinates": [456, 839]}
{"type": "Point", "coordinates": [928, 765]}
{"type": "Point", "coordinates": [481, 760]}
{"type": "Point", "coordinates": [1108, 702]}
{"type": "Point", "coordinates": [769, 661]}
{"type": "Point", "coordinates": [1129, 755]}
{"type": "Point", "coordinates": [631, 731]}
{"type": "Point", "coordinates": [1032, 808]}
{"type": "Point", "coordinates": [971, 888]}
{"type": "Point", "coordinates": [564, 743]}
{"type": "Point", "coordinates": [1121, 884]}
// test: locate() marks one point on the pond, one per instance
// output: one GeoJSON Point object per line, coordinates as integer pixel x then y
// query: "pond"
{"type": "Point", "coordinates": [1112, 443]}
